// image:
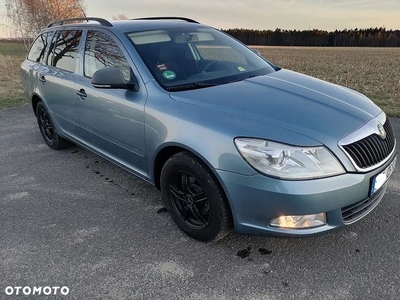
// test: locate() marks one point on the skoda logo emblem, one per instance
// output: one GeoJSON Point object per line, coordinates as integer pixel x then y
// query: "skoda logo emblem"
{"type": "Point", "coordinates": [381, 131]}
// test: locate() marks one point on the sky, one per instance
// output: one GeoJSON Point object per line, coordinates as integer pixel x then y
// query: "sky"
{"type": "Point", "coordinates": [255, 14]}
{"type": "Point", "coordinates": [262, 14]}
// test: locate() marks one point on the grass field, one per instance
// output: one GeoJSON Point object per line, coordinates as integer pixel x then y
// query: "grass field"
{"type": "Point", "coordinates": [11, 57]}
{"type": "Point", "coordinates": [372, 71]}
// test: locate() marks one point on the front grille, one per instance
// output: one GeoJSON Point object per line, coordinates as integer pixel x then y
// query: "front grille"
{"type": "Point", "coordinates": [356, 211]}
{"type": "Point", "coordinates": [372, 149]}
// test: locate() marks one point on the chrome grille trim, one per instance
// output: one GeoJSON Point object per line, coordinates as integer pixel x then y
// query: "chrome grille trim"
{"type": "Point", "coordinates": [362, 145]}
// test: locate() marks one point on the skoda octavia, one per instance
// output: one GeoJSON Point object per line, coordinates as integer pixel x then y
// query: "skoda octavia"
{"type": "Point", "coordinates": [230, 139]}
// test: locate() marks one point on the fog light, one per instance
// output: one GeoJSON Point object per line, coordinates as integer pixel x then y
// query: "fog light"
{"type": "Point", "coordinates": [299, 222]}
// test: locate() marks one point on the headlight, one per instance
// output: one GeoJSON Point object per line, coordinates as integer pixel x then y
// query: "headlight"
{"type": "Point", "coordinates": [288, 162]}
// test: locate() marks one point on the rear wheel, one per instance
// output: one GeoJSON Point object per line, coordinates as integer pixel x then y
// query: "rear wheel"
{"type": "Point", "coordinates": [194, 198]}
{"type": "Point", "coordinates": [48, 130]}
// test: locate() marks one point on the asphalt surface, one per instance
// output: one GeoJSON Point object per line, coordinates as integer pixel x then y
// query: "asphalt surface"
{"type": "Point", "coordinates": [69, 218]}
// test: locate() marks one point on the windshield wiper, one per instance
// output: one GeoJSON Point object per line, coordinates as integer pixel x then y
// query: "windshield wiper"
{"type": "Point", "coordinates": [192, 86]}
{"type": "Point", "coordinates": [242, 79]}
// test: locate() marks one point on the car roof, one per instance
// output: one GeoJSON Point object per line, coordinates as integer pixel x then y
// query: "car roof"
{"type": "Point", "coordinates": [140, 25]}
{"type": "Point", "coordinates": [157, 23]}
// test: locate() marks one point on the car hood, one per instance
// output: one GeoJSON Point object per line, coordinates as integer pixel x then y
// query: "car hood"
{"type": "Point", "coordinates": [296, 102]}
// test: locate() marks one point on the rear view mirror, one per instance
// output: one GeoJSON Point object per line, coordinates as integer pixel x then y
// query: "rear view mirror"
{"type": "Point", "coordinates": [113, 78]}
{"type": "Point", "coordinates": [194, 37]}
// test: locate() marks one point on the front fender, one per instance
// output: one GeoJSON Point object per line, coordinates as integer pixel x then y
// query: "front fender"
{"type": "Point", "coordinates": [207, 133]}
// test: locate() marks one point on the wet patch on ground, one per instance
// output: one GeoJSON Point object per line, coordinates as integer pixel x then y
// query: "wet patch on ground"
{"type": "Point", "coordinates": [162, 211]}
{"type": "Point", "coordinates": [264, 251]}
{"type": "Point", "coordinates": [244, 252]}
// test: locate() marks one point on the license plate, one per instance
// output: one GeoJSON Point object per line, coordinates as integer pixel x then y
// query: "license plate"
{"type": "Point", "coordinates": [379, 180]}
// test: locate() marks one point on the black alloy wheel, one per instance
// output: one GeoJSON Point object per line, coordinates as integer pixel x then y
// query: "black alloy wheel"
{"type": "Point", "coordinates": [194, 198]}
{"type": "Point", "coordinates": [46, 127]}
{"type": "Point", "coordinates": [48, 130]}
{"type": "Point", "coordinates": [190, 201]}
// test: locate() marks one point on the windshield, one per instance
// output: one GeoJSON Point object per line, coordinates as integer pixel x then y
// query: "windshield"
{"type": "Point", "coordinates": [182, 59]}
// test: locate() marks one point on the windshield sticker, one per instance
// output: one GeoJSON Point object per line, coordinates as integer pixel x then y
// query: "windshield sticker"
{"type": "Point", "coordinates": [170, 75]}
{"type": "Point", "coordinates": [241, 69]}
{"type": "Point", "coordinates": [162, 67]}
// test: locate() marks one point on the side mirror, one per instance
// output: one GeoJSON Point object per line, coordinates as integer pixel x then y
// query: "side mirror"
{"type": "Point", "coordinates": [256, 52]}
{"type": "Point", "coordinates": [113, 78]}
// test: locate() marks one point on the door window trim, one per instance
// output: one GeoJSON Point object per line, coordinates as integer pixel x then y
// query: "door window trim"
{"type": "Point", "coordinates": [50, 54]}
{"type": "Point", "coordinates": [113, 38]}
{"type": "Point", "coordinates": [46, 53]}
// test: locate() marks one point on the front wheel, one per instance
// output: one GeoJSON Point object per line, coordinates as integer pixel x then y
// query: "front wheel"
{"type": "Point", "coordinates": [194, 199]}
{"type": "Point", "coordinates": [48, 130]}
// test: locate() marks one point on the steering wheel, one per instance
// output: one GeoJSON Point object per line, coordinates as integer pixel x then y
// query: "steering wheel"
{"type": "Point", "coordinates": [211, 63]}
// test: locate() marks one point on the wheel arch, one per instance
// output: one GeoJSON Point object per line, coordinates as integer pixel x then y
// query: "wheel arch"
{"type": "Point", "coordinates": [35, 100]}
{"type": "Point", "coordinates": [167, 151]}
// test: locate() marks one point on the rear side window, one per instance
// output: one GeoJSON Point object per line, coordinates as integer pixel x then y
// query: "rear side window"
{"type": "Point", "coordinates": [65, 49]}
{"type": "Point", "coordinates": [101, 52]}
{"type": "Point", "coordinates": [38, 49]}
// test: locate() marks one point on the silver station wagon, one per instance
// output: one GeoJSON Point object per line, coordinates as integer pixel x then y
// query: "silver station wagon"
{"type": "Point", "coordinates": [231, 140]}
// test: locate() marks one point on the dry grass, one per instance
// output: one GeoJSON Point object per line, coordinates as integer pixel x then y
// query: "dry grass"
{"type": "Point", "coordinates": [11, 93]}
{"type": "Point", "coordinates": [374, 72]}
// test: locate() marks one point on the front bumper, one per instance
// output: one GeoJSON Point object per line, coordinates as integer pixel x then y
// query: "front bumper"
{"type": "Point", "coordinates": [257, 200]}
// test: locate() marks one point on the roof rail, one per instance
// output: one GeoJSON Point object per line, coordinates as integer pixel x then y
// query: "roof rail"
{"type": "Point", "coordinates": [169, 18]}
{"type": "Point", "coordinates": [103, 22]}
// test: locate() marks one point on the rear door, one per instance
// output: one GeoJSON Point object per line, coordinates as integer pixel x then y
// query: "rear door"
{"type": "Point", "coordinates": [33, 62]}
{"type": "Point", "coordinates": [112, 119]}
{"type": "Point", "coordinates": [58, 79]}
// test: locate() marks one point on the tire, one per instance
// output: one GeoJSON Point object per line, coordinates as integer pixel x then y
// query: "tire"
{"type": "Point", "coordinates": [48, 130]}
{"type": "Point", "coordinates": [194, 198]}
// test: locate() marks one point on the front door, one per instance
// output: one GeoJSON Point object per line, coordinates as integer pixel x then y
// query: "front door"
{"type": "Point", "coordinates": [112, 120]}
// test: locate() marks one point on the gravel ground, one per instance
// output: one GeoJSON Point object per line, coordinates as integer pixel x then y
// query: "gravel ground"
{"type": "Point", "coordinates": [69, 218]}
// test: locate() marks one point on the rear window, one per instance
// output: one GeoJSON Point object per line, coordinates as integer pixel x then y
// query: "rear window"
{"type": "Point", "coordinates": [38, 49]}
{"type": "Point", "coordinates": [65, 49]}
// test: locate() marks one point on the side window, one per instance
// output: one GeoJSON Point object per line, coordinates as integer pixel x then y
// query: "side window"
{"type": "Point", "coordinates": [101, 51]}
{"type": "Point", "coordinates": [65, 49]}
{"type": "Point", "coordinates": [38, 49]}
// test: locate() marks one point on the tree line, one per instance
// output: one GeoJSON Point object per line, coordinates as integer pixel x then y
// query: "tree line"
{"type": "Point", "coordinates": [371, 37]}
{"type": "Point", "coordinates": [28, 17]}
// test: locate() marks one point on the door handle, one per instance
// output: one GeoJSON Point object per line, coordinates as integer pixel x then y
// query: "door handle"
{"type": "Point", "coordinates": [81, 93]}
{"type": "Point", "coordinates": [42, 79]}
